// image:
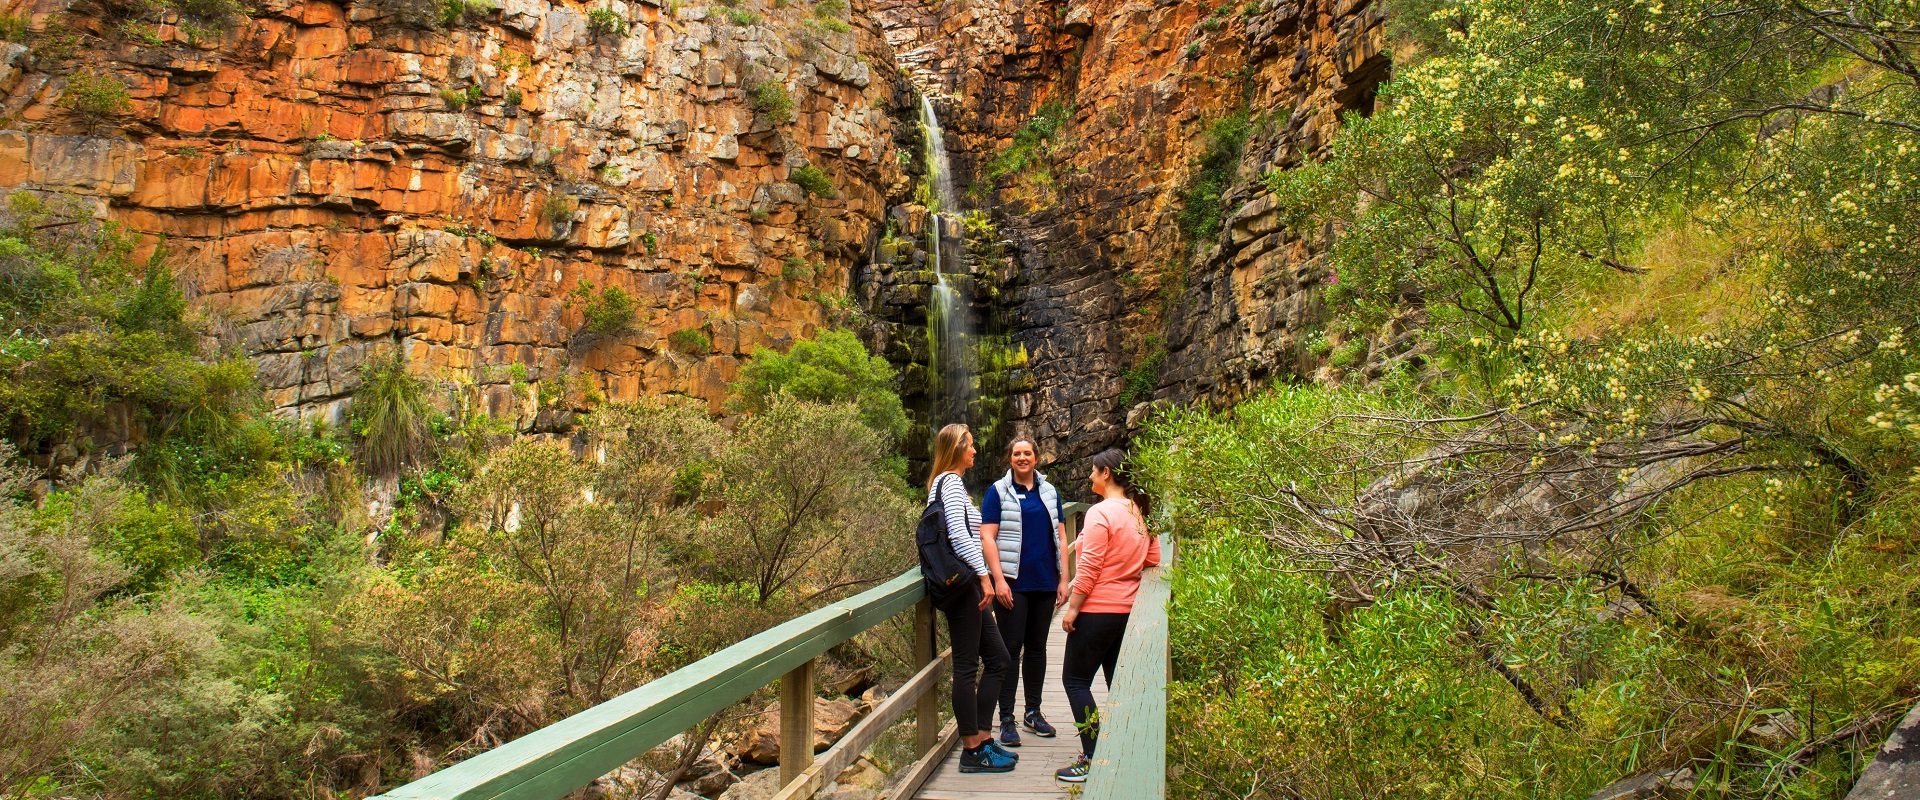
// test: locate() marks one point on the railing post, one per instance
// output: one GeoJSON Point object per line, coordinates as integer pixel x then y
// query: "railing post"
{"type": "Point", "coordinates": [926, 713]}
{"type": "Point", "coordinates": [796, 722]}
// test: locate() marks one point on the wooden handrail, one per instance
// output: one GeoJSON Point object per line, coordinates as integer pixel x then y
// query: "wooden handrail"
{"type": "Point", "coordinates": [563, 757]}
{"type": "Point", "coordinates": [1130, 762]}
{"type": "Point", "coordinates": [569, 754]}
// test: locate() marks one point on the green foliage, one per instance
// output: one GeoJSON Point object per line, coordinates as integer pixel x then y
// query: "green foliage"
{"type": "Point", "coordinates": [651, 242]}
{"type": "Point", "coordinates": [13, 28]}
{"type": "Point", "coordinates": [770, 97]}
{"type": "Point", "coordinates": [1272, 678]}
{"type": "Point", "coordinates": [816, 182]}
{"type": "Point", "coordinates": [515, 97]}
{"type": "Point", "coordinates": [92, 99]}
{"type": "Point", "coordinates": [609, 311]}
{"type": "Point", "coordinates": [391, 415]}
{"type": "Point", "coordinates": [1033, 143]}
{"type": "Point", "coordinates": [603, 20]}
{"type": "Point", "coordinates": [1202, 199]}
{"type": "Point", "coordinates": [834, 368]}
{"type": "Point", "coordinates": [558, 208]}
{"type": "Point", "coordinates": [1144, 376]}
{"type": "Point", "coordinates": [830, 15]}
{"type": "Point", "coordinates": [455, 99]}
{"type": "Point", "coordinates": [805, 494]}
{"type": "Point", "coordinates": [691, 341]}
{"type": "Point", "coordinates": [743, 18]}
{"type": "Point", "coordinates": [795, 268]}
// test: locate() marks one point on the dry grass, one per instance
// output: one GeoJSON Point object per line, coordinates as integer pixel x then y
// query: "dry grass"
{"type": "Point", "coordinates": [1695, 281]}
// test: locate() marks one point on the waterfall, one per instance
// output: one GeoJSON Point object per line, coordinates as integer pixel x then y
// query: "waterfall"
{"type": "Point", "coordinates": [949, 329]}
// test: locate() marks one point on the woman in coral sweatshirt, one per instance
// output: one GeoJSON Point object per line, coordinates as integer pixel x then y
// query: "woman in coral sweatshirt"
{"type": "Point", "coordinates": [1114, 547]}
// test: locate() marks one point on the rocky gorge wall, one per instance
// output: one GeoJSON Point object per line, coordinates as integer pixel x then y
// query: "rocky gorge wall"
{"type": "Point", "coordinates": [1113, 304]}
{"type": "Point", "coordinates": [339, 179]}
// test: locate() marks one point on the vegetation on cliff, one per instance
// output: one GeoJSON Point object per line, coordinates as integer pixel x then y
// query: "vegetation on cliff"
{"type": "Point", "coordinates": [220, 613]}
{"type": "Point", "coordinates": [1637, 493]}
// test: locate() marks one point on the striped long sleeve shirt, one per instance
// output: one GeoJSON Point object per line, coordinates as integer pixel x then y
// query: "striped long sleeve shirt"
{"type": "Point", "coordinates": [963, 520]}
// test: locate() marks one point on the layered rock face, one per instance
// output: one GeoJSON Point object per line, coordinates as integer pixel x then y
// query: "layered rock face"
{"type": "Point", "coordinates": [463, 181]}
{"type": "Point", "coordinates": [1113, 302]}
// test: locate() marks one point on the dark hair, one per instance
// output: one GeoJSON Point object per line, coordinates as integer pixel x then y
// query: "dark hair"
{"type": "Point", "coordinates": [1114, 461]}
{"type": "Point", "coordinates": [1028, 441]}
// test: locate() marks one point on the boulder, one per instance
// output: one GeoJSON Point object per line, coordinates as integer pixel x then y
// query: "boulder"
{"type": "Point", "coordinates": [831, 720]}
{"type": "Point", "coordinates": [762, 785]}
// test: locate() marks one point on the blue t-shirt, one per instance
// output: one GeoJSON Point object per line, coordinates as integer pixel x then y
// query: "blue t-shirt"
{"type": "Point", "coordinates": [1039, 551]}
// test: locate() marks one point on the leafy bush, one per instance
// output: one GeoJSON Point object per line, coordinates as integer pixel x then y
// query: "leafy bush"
{"type": "Point", "coordinates": [603, 20]}
{"type": "Point", "coordinates": [92, 99]}
{"type": "Point", "coordinates": [1033, 143]}
{"type": "Point", "coordinates": [610, 311]}
{"type": "Point", "coordinates": [1201, 209]}
{"type": "Point", "coordinates": [691, 341]}
{"type": "Point", "coordinates": [391, 415]}
{"type": "Point", "coordinates": [558, 208]}
{"type": "Point", "coordinates": [834, 368]}
{"type": "Point", "coordinates": [742, 17]}
{"type": "Point", "coordinates": [770, 97]}
{"type": "Point", "coordinates": [816, 182]}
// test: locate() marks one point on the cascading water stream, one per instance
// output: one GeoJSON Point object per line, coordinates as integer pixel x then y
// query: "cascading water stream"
{"type": "Point", "coordinates": [949, 331]}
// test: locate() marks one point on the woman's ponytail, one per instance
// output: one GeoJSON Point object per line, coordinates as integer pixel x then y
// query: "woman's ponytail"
{"type": "Point", "coordinates": [1114, 461]}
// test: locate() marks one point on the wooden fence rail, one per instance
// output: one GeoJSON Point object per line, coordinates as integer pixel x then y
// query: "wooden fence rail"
{"type": "Point", "coordinates": [568, 755]}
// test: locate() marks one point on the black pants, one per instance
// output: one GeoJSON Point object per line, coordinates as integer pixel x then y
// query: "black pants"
{"type": "Point", "coordinates": [1024, 627]}
{"type": "Point", "coordinates": [1093, 645]}
{"type": "Point", "coordinates": [975, 639]}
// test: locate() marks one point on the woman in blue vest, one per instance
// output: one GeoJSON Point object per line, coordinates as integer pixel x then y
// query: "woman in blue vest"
{"type": "Point", "coordinates": [1021, 513]}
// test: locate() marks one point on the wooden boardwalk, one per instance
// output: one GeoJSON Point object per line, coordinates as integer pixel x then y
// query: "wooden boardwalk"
{"type": "Point", "coordinates": [1033, 779]}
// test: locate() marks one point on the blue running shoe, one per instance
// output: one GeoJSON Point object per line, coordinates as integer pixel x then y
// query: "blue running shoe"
{"type": "Point", "coordinates": [1009, 733]}
{"type": "Point", "coordinates": [1075, 772]}
{"type": "Point", "coordinates": [984, 759]}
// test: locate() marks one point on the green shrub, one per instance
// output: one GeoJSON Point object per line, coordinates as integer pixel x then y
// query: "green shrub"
{"type": "Point", "coordinates": [834, 368]}
{"type": "Point", "coordinates": [1033, 143]}
{"type": "Point", "coordinates": [742, 17]}
{"type": "Point", "coordinates": [795, 268]}
{"type": "Point", "coordinates": [1202, 199]}
{"type": "Point", "coordinates": [609, 311]}
{"type": "Point", "coordinates": [391, 416]}
{"type": "Point", "coordinates": [770, 97]}
{"type": "Point", "coordinates": [650, 241]}
{"type": "Point", "coordinates": [691, 341]}
{"type": "Point", "coordinates": [515, 97]}
{"type": "Point", "coordinates": [455, 99]}
{"type": "Point", "coordinates": [816, 182]}
{"type": "Point", "coordinates": [92, 99]}
{"type": "Point", "coordinates": [1144, 376]}
{"type": "Point", "coordinates": [603, 20]}
{"type": "Point", "coordinates": [13, 28]}
{"type": "Point", "coordinates": [559, 208]}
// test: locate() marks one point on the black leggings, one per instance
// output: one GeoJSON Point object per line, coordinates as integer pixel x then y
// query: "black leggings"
{"type": "Point", "coordinates": [1093, 645]}
{"type": "Point", "coordinates": [1025, 628]}
{"type": "Point", "coordinates": [975, 639]}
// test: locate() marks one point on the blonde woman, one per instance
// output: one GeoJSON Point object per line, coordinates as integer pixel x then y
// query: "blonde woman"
{"type": "Point", "coordinates": [971, 629]}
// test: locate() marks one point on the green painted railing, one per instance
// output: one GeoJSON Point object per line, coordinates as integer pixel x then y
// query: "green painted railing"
{"type": "Point", "coordinates": [567, 755]}
{"type": "Point", "coordinates": [1131, 759]}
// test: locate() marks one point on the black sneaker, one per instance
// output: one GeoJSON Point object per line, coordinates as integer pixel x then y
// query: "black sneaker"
{"type": "Point", "coordinates": [1038, 724]}
{"type": "Point", "coordinates": [1009, 733]}
{"type": "Point", "coordinates": [1075, 772]}
{"type": "Point", "coordinates": [985, 759]}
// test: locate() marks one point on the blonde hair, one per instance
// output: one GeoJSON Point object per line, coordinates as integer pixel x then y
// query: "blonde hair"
{"type": "Point", "coordinates": [949, 446]}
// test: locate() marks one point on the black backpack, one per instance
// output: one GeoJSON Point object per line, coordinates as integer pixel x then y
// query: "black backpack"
{"type": "Point", "coordinates": [942, 568]}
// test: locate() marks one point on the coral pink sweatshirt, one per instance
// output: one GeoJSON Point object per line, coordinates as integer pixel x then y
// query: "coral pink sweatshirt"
{"type": "Point", "coordinates": [1114, 548]}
